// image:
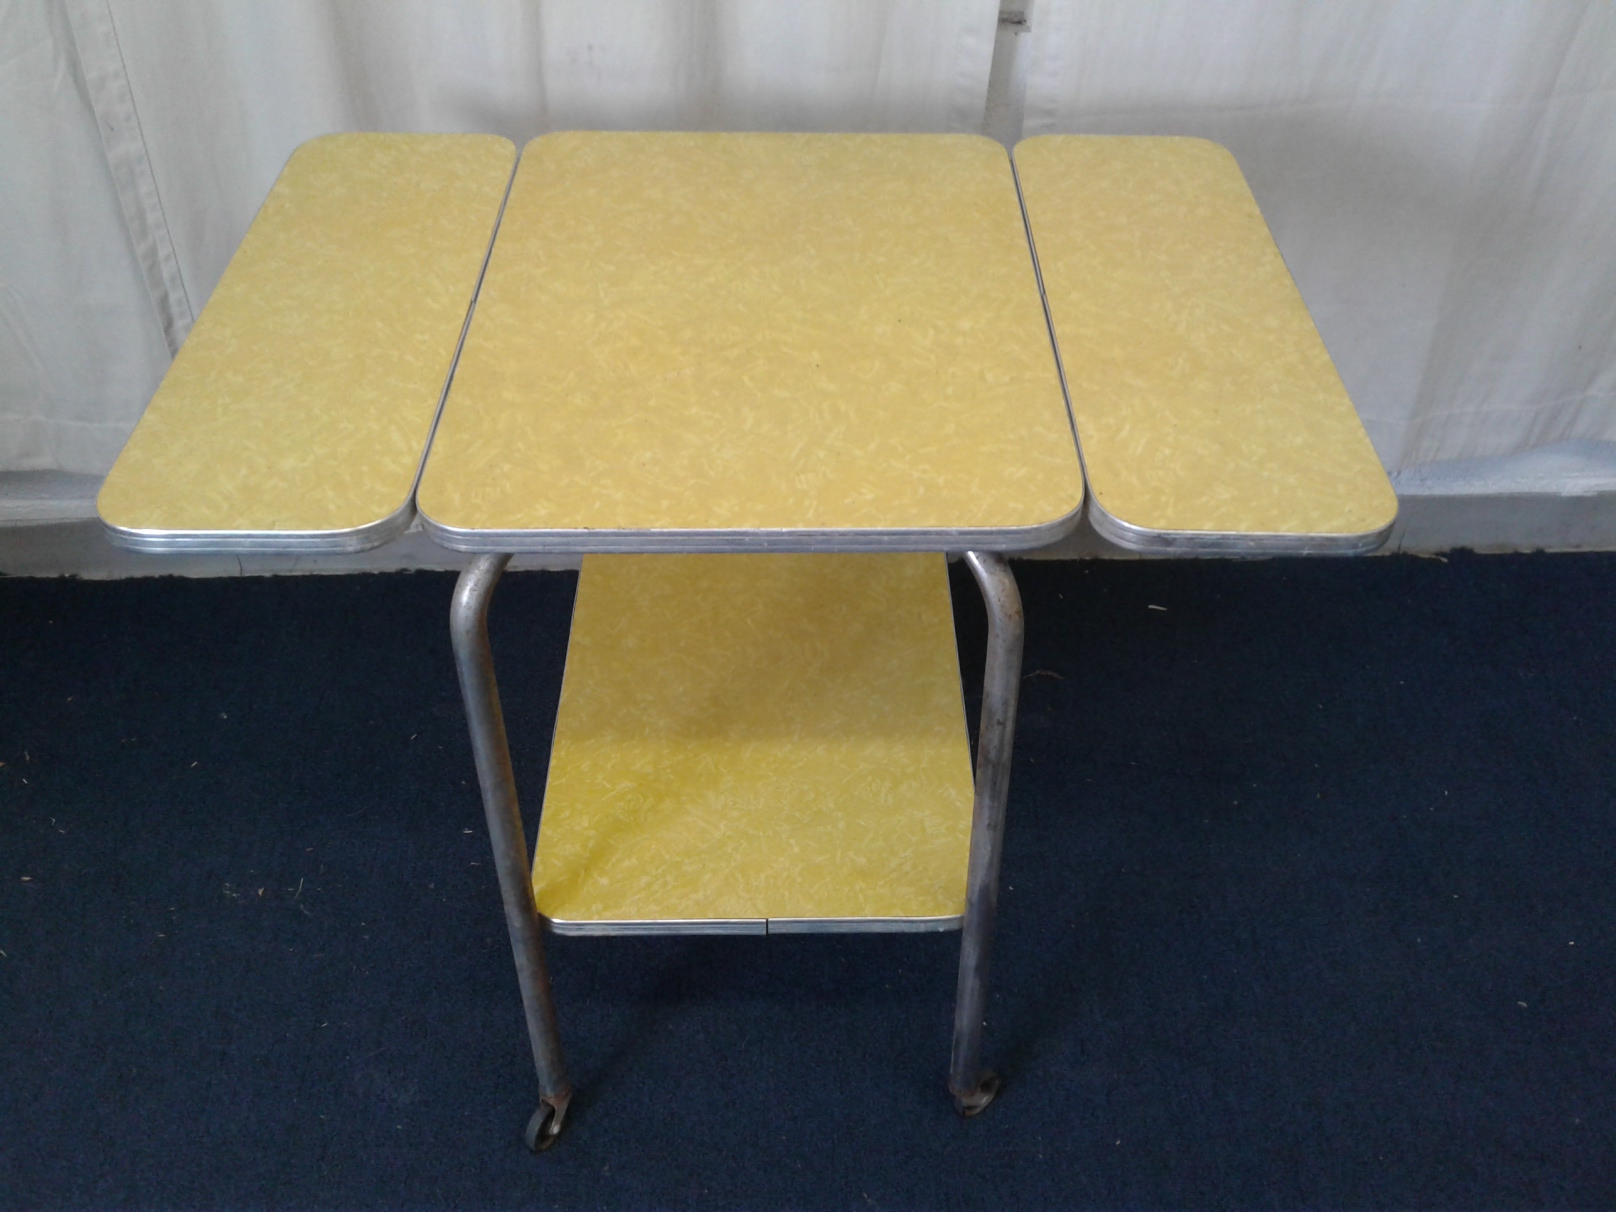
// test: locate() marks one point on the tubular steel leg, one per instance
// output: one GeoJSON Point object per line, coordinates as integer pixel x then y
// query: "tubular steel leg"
{"type": "Point", "coordinates": [974, 1088]}
{"type": "Point", "coordinates": [468, 627]}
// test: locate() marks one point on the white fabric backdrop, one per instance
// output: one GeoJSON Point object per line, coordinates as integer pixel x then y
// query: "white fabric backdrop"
{"type": "Point", "coordinates": [81, 345]}
{"type": "Point", "coordinates": [1440, 175]}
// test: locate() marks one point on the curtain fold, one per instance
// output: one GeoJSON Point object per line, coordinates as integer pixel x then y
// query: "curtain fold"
{"type": "Point", "coordinates": [80, 345]}
{"type": "Point", "coordinates": [106, 79]}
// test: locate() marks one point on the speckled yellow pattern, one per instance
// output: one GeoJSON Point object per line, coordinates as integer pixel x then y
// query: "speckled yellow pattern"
{"type": "Point", "coordinates": [756, 331]}
{"type": "Point", "coordinates": [303, 398]}
{"type": "Point", "coordinates": [1204, 398]}
{"type": "Point", "coordinates": [758, 736]}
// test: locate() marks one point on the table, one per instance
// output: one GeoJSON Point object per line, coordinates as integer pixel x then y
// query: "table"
{"type": "Point", "coordinates": [762, 383]}
{"type": "Point", "coordinates": [736, 355]}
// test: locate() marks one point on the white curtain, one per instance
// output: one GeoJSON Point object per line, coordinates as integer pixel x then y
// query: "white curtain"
{"type": "Point", "coordinates": [1440, 175]}
{"type": "Point", "coordinates": [81, 342]}
{"type": "Point", "coordinates": [137, 138]}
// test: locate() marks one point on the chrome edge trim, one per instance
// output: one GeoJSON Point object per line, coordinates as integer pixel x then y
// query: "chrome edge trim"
{"type": "Point", "coordinates": [696, 925]}
{"type": "Point", "coordinates": [759, 925]}
{"type": "Point", "coordinates": [716, 542]}
{"type": "Point", "coordinates": [864, 925]}
{"type": "Point", "coordinates": [264, 542]}
{"type": "Point", "coordinates": [1212, 542]}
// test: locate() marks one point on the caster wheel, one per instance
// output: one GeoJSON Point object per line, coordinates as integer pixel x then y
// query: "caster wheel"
{"type": "Point", "coordinates": [544, 1128]}
{"type": "Point", "coordinates": [977, 1100]}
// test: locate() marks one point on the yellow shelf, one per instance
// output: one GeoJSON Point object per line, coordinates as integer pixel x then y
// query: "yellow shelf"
{"type": "Point", "coordinates": [296, 414]}
{"type": "Point", "coordinates": [758, 743]}
{"type": "Point", "coordinates": [1205, 401]}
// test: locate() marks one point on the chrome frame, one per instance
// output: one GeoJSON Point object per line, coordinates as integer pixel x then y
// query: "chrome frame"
{"type": "Point", "coordinates": [972, 1086]}
{"type": "Point", "coordinates": [474, 661]}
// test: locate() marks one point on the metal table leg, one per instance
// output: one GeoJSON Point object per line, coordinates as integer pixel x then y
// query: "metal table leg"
{"type": "Point", "coordinates": [468, 627]}
{"type": "Point", "coordinates": [974, 1088]}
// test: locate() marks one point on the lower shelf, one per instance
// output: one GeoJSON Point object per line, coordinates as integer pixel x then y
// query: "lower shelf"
{"type": "Point", "coordinates": [758, 744]}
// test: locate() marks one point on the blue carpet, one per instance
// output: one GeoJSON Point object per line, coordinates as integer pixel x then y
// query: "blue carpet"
{"type": "Point", "coordinates": [1309, 901]}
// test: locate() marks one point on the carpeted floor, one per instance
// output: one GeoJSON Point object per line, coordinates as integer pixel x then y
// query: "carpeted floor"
{"type": "Point", "coordinates": [1309, 901]}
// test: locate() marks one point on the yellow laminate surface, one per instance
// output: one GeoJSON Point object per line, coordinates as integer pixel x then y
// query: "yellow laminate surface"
{"type": "Point", "coordinates": [745, 738]}
{"type": "Point", "coordinates": [303, 399]}
{"type": "Point", "coordinates": [733, 332]}
{"type": "Point", "coordinates": [1205, 400]}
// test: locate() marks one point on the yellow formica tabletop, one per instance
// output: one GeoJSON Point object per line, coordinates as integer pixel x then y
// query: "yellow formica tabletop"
{"type": "Point", "coordinates": [297, 413]}
{"type": "Point", "coordinates": [758, 743]}
{"type": "Point", "coordinates": [726, 342]}
{"type": "Point", "coordinates": [1209, 414]}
